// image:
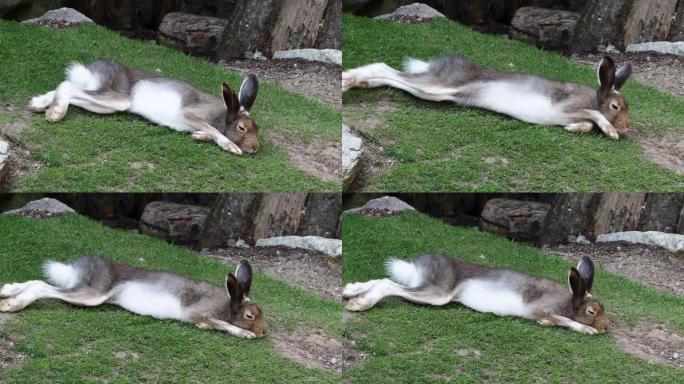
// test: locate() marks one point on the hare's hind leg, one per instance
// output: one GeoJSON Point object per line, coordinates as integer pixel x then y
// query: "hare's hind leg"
{"type": "Point", "coordinates": [386, 287]}
{"type": "Point", "coordinates": [380, 74]}
{"type": "Point", "coordinates": [40, 103]}
{"type": "Point", "coordinates": [68, 93]}
{"type": "Point", "coordinates": [37, 289]}
{"type": "Point", "coordinates": [354, 289]}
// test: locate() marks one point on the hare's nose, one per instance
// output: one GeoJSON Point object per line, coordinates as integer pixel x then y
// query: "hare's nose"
{"type": "Point", "coordinates": [251, 147]}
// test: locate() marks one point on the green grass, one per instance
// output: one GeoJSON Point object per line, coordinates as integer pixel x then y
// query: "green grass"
{"type": "Point", "coordinates": [68, 344]}
{"type": "Point", "coordinates": [89, 152]}
{"type": "Point", "coordinates": [412, 343]}
{"type": "Point", "coordinates": [442, 147]}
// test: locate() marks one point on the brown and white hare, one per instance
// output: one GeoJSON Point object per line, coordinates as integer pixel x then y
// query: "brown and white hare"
{"type": "Point", "coordinates": [107, 86]}
{"type": "Point", "coordinates": [525, 97]}
{"type": "Point", "coordinates": [94, 280]}
{"type": "Point", "coordinates": [439, 280]}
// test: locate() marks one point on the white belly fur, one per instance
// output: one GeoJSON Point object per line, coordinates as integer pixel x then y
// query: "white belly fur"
{"type": "Point", "coordinates": [521, 102]}
{"type": "Point", "coordinates": [159, 104]}
{"type": "Point", "coordinates": [490, 297]}
{"type": "Point", "coordinates": [148, 299]}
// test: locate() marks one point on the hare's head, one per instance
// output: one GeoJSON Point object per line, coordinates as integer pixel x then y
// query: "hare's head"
{"type": "Point", "coordinates": [240, 127]}
{"type": "Point", "coordinates": [586, 309]}
{"type": "Point", "coordinates": [243, 312]}
{"type": "Point", "coordinates": [610, 103]}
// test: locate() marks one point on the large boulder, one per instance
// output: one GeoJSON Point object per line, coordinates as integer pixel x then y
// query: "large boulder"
{"type": "Point", "coordinates": [330, 247]}
{"type": "Point", "coordinates": [174, 222]}
{"type": "Point", "coordinates": [197, 35]}
{"type": "Point", "coordinates": [415, 11]}
{"type": "Point", "coordinates": [546, 28]}
{"type": "Point", "coordinates": [60, 17]}
{"type": "Point", "coordinates": [352, 151]}
{"type": "Point", "coordinates": [43, 208]}
{"type": "Point", "coordinates": [674, 48]}
{"type": "Point", "coordinates": [330, 56]}
{"type": "Point", "coordinates": [515, 219]}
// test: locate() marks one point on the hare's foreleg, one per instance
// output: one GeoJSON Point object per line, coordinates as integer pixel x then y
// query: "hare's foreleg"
{"type": "Point", "coordinates": [552, 319]}
{"type": "Point", "coordinates": [581, 127]}
{"type": "Point", "coordinates": [380, 74]}
{"type": "Point", "coordinates": [598, 118]}
{"type": "Point", "coordinates": [37, 289]}
{"type": "Point", "coordinates": [205, 132]}
{"type": "Point", "coordinates": [219, 325]}
{"type": "Point", "coordinates": [386, 287]}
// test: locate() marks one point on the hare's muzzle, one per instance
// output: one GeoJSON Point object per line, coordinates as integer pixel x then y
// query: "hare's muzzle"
{"type": "Point", "coordinates": [250, 145]}
{"type": "Point", "coordinates": [260, 329]}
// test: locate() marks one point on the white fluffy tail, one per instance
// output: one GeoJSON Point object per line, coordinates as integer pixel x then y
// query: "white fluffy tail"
{"type": "Point", "coordinates": [61, 275]}
{"type": "Point", "coordinates": [82, 77]}
{"type": "Point", "coordinates": [404, 273]}
{"type": "Point", "coordinates": [415, 66]}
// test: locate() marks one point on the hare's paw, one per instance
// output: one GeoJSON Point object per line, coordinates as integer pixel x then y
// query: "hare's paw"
{"type": "Point", "coordinates": [11, 305]}
{"type": "Point", "coordinates": [353, 289]}
{"type": "Point", "coordinates": [55, 113]}
{"type": "Point", "coordinates": [586, 329]}
{"type": "Point", "coordinates": [229, 146]}
{"type": "Point", "coordinates": [545, 322]}
{"type": "Point", "coordinates": [202, 136]}
{"type": "Point", "coordinates": [358, 303]}
{"type": "Point", "coordinates": [39, 103]}
{"type": "Point", "coordinates": [347, 80]}
{"type": "Point", "coordinates": [10, 289]}
{"type": "Point", "coordinates": [581, 127]}
{"type": "Point", "coordinates": [245, 333]}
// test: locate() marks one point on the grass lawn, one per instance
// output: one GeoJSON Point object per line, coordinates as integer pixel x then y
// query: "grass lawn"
{"type": "Point", "coordinates": [442, 147]}
{"type": "Point", "coordinates": [412, 343]}
{"type": "Point", "coordinates": [68, 344]}
{"type": "Point", "coordinates": [121, 152]}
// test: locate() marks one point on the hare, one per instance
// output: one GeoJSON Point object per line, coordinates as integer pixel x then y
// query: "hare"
{"type": "Point", "coordinates": [107, 86]}
{"type": "Point", "coordinates": [94, 280]}
{"type": "Point", "coordinates": [438, 280]}
{"type": "Point", "coordinates": [522, 96]}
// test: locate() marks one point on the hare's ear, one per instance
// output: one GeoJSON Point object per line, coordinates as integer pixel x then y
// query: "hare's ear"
{"type": "Point", "coordinates": [243, 274]}
{"type": "Point", "coordinates": [234, 290]}
{"type": "Point", "coordinates": [576, 286]}
{"type": "Point", "coordinates": [248, 92]}
{"type": "Point", "coordinates": [585, 267]}
{"type": "Point", "coordinates": [606, 77]}
{"type": "Point", "coordinates": [622, 74]}
{"type": "Point", "coordinates": [231, 101]}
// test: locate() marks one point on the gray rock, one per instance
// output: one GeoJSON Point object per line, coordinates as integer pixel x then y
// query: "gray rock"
{"type": "Point", "coordinates": [611, 49]}
{"type": "Point", "coordinates": [259, 56]}
{"type": "Point", "coordinates": [385, 204]}
{"type": "Point", "coordinates": [515, 219]}
{"type": "Point", "coordinates": [49, 206]}
{"type": "Point", "coordinates": [241, 244]}
{"type": "Point", "coordinates": [332, 56]}
{"type": "Point", "coordinates": [670, 241]}
{"type": "Point", "coordinates": [66, 15]}
{"type": "Point", "coordinates": [352, 149]}
{"type": "Point", "coordinates": [4, 159]}
{"type": "Point", "coordinates": [418, 10]}
{"type": "Point", "coordinates": [582, 240]}
{"type": "Point", "coordinates": [197, 35]}
{"type": "Point", "coordinates": [331, 247]}
{"type": "Point", "coordinates": [675, 48]}
{"type": "Point", "coordinates": [173, 222]}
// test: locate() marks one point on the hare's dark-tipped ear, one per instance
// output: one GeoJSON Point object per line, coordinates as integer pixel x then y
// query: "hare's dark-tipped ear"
{"type": "Point", "coordinates": [576, 286]}
{"type": "Point", "coordinates": [248, 92]}
{"type": "Point", "coordinates": [622, 74]}
{"type": "Point", "coordinates": [606, 76]}
{"type": "Point", "coordinates": [234, 290]}
{"type": "Point", "coordinates": [243, 274]}
{"type": "Point", "coordinates": [232, 102]}
{"type": "Point", "coordinates": [585, 267]}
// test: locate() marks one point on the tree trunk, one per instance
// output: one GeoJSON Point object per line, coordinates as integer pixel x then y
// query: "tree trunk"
{"type": "Point", "coordinates": [677, 29]}
{"type": "Point", "coordinates": [298, 24]}
{"type": "Point", "coordinates": [570, 215]}
{"type": "Point", "coordinates": [601, 23]}
{"type": "Point", "coordinates": [662, 212]}
{"type": "Point", "coordinates": [618, 212]}
{"type": "Point", "coordinates": [649, 20]}
{"type": "Point", "coordinates": [279, 214]}
{"type": "Point", "coordinates": [249, 29]}
{"type": "Point", "coordinates": [322, 216]}
{"type": "Point", "coordinates": [330, 35]}
{"type": "Point", "coordinates": [680, 225]}
{"type": "Point", "coordinates": [230, 219]}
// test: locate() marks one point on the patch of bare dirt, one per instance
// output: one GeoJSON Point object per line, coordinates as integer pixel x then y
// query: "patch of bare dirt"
{"type": "Point", "coordinates": [8, 356]}
{"type": "Point", "coordinates": [649, 265]}
{"type": "Point", "coordinates": [314, 272]}
{"type": "Point", "coordinates": [662, 71]}
{"type": "Point", "coordinates": [652, 342]}
{"type": "Point", "coordinates": [314, 348]}
{"type": "Point", "coordinates": [321, 158]}
{"type": "Point", "coordinates": [666, 151]}
{"type": "Point", "coordinates": [320, 81]}
{"type": "Point", "coordinates": [20, 163]}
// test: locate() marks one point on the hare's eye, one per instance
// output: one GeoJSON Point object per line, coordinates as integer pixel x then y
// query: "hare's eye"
{"type": "Point", "coordinates": [614, 106]}
{"type": "Point", "coordinates": [241, 128]}
{"type": "Point", "coordinates": [590, 311]}
{"type": "Point", "coordinates": [249, 316]}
